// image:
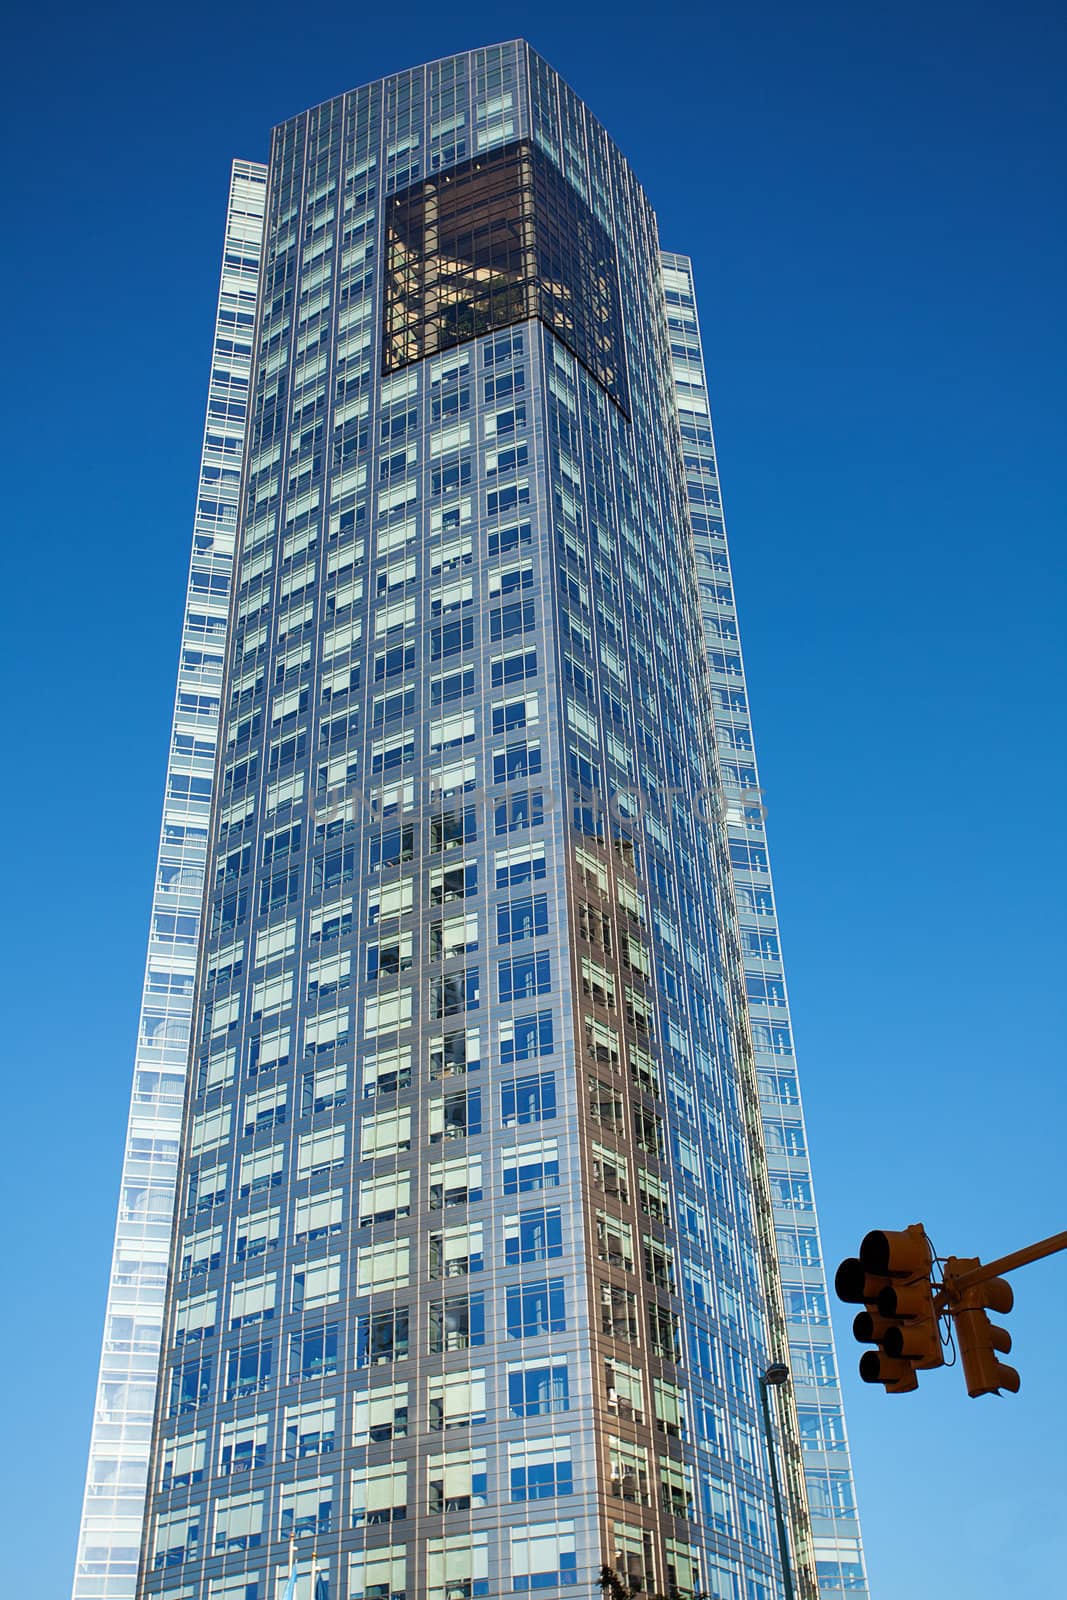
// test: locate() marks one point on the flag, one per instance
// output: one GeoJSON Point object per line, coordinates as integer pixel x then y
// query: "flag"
{"type": "Point", "coordinates": [322, 1587]}
{"type": "Point", "coordinates": [290, 1588]}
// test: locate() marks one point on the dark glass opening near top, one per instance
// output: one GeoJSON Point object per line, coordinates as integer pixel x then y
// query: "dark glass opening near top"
{"type": "Point", "coordinates": [495, 241]}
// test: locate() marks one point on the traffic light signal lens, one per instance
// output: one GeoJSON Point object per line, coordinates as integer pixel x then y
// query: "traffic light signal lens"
{"type": "Point", "coordinates": [870, 1366]}
{"type": "Point", "coordinates": [850, 1281]}
{"type": "Point", "coordinates": [874, 1252]}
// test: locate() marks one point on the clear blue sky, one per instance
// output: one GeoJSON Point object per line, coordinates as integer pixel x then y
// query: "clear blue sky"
{"type": "Point", "coordinates": [873, 197]}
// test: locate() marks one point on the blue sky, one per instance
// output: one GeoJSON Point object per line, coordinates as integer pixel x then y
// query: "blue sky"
{"type": "Point", "coordinates": [873, 198]}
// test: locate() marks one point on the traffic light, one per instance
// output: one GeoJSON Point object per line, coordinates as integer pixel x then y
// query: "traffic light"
{"type": "Point", "coordinates": [977, 1337]}
{"type": "Point", "coordinates": [891, 1277]}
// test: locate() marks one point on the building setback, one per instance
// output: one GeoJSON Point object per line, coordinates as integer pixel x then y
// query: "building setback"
{"type": "Point", "coordinates": [474, 1269]}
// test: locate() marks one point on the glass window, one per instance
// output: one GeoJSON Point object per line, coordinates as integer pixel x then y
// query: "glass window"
{"type": "Point", "coordinates": [540, 1469]}
{"type": "Point", "coordinates": [535, 1308]}
{"type": "Point", "coordinates": [536, 1388]}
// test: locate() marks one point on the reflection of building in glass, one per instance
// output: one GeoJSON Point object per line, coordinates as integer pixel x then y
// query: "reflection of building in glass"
{"type": "Point", "coordinates": [474, 1263]}
{"type": "Point", "coordinates": [492, 242]}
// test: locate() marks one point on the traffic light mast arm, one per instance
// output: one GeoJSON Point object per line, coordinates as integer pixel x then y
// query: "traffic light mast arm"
{"type": "Point", "coordinates": [993, 1269]}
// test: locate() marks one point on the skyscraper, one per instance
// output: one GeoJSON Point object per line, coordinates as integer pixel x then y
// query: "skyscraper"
{"type": "Point", "coordinates": [113, 1510]}
{"type": "Point", "coordinates": [474, 1266]}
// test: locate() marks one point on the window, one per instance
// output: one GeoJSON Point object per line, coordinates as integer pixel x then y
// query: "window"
{"type": "Point", "coordinates": [519, 760]}
{"type": "Point", "coordinates": [821, 1428]}
{"type": "Point", "coordinates": [391, 900]}
{"type": "Point", "coordinates": [319, 1152]}
{"type": "Point", "coordinates": [455, 1182]}
{"type": "Point", "coordinates": [381, 1337]}
{"type": "Point", "coordinates": [386, 1072]}
{"type": "Point", "coordinates": [669, 1403]}
{"type": "Point", "coordinates": [628, 1466]}
{"type": "Point", "coordinates": [625, 1389]}
{"type": "Point", "coordinates": [384, 1013]}
{"type": "Point", "coordinates": [610, 1173]}
{"type": "Point", "coordinates": [378, 1574]}
{"type": "Point", "coordinates": [454, 1252]}
{"type": "Point", "coordinates": [654, 1197]}
{"type": "Point", "coordinates": [457, 1481]}
{"type": "Point", "coordinates": [380, 1494]}
{"type": "Point", "coordinates": [381, 1414]}
{"type": "Point", "coordinates": [535, 1308]}
{"type": "Point", "coordinates": [382, 1266]}
{"type": "Point", "coordinates": [525, 1037]}
{"type": "Point", "coordinates": [183, 1460]}
{"type": "Point", "coordinates": [456, 1400]}
{"type": "Point", "coordinates": [455, 1053]}
{"type": "Point", "coordinates": [530, 1167]}
{"type": "Point", "coordinates": [317, 1216]}
{"type": "Point", "coordinates": [252, 1300]}
{"type": "Point", "coordinates": [659, 1262]}
{"type": "Point", "coordinates": [618, 1312]}
{"type": "Point", "coordinates": [455, 1116]}
{"type": "Point", "coordinates": [189, 1385]}
{"type": "Point", "coordinates": [313, 1352]}
{"type": "Point", "coordinates": [238, 1523]}
{"type": "Point", "coordinates": [265, 1109]}
{"type": "Point", "coordinates": [540, 1469]}
{"type": "Point", "coordinates": [306, 1507]}
{"type": "Point", "coordinates": [536, 1388]}
{"type": "Point", "coordinates": [201, 1252]}
{"type": "Point", "coordinates": [454, 882]}
{"type": "Point", "coordinates": [528, 1099]}
{"type": "Point", "coordinates": [663, 1332]}
{"type": "Point", "coordinates": [598, 983]}
{"type": "Point", "coordinates": [248, 1369]}
{"type": "Point", "coordinates": [605, 1106]}
{"type": "Point", "coordinates": [177, 1538]}
{"type": "Point", "coordinates": [533, 1236]}
{"type": "Point", "coordinates": [522, 919]}
{"type": "Point", "coordinates": [614, 1241]}
{"type": "Point", "coordinates": [633, 1556]}
{"type": "Point", "coordinates": [309, 1429]}
{"type": "Point", "coordinates": [454, 993]}
{"type": "Point", "coordinates": [450, 828]}
{"type": "Point", "coordinates": [389, 956]}
{"type": "Point", "coordinates": [261, 1169]}
{"type": "Point", "coordinates": [383, 1198]}
{"type": "Point", "coordinates": [392, 847]}
{"type": "Point", "coordinates": [516, 812]}
{"type": "Point", "coordinates": [648, 1132]}
{"type": "Point", "coordinates": [676, 1487]}
{"type": "Point", "coordinates": [323, 1087]}
{"type": "Point", "coordinates": [602, 1043]}
{"type": "Point", "coordinates": [385, 1133]}
{"type": "Point", "coordinates": [513, 668]}
{"type": "Point", "coordinates": [453, 936]}
{"type": "Point", "coordinates": [543, 1556]}
{"type": "Point", "coordinates": [457, 1323]}
{"type": "Point", "coordinates": [524, 976]}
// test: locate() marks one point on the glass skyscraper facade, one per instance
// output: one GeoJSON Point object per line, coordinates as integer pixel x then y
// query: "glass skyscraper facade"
{"type": "Point", "coordinates": [474, 1265]}
{"type": "Point", "coordinates": [113, 1509]}
{"type": "Point", "coordinates": [828, 1474]}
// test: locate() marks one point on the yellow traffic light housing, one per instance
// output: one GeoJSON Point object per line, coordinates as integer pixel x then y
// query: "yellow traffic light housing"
{"type": "Point", "coordinates": [980, 1340]}
{"type": "Point", "coordinates": [892, 1277]}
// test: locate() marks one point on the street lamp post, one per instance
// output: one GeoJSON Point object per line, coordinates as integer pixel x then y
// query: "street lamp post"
{"type": "Point", "coordinates": [773, 1378]}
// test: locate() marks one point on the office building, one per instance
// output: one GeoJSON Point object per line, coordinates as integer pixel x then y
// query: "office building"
{"type": "Point", "coordinates": [474, 1267]}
